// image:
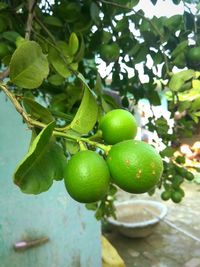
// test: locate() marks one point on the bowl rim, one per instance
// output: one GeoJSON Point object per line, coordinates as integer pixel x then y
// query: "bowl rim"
{"type": "Point", "coordinates": [156, 219]}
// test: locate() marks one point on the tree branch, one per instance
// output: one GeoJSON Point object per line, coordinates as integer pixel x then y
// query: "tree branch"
{"type": "Point", "coordinates": [4, 74]}
{"type": "Point", "coordinates": [16, 104]}
{"type": "Point", "coordinates": [33, 123]}
{"type": "Point", "coordinates": [45, 28]}
{"type": "Point", "coordinates": [31, 6]}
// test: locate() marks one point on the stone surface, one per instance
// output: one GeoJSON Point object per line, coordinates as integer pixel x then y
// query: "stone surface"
{"type": "Point", "coordinates": [195, 262]}
{"type": "Point", "coordinates": [165, 247]}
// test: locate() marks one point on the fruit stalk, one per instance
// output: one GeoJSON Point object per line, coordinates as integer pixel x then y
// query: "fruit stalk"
{"type": "Point", "coordinates": [105, 148]}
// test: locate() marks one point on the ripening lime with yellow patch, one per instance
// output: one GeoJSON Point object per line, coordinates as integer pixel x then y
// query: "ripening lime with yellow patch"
{"type": "Point", "coordinates": [135, 166]}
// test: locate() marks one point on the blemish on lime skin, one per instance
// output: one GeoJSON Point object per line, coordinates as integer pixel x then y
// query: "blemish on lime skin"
{"type": "Point", "coordinates": [152, 164]}
{"type": "Point", "coordinates": [138, 175]}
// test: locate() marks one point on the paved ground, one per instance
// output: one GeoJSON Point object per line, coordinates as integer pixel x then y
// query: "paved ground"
{"type": "Point", "coordinates": [166, 247]}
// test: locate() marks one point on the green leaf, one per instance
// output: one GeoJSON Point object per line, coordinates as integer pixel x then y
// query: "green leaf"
{"type": "Point", "coordinates": [37, 111]}
{"type": "Point", "coordinates": [162, 126]}
{"type": "Point", "coordinates": [154, 2]}
{"type": "Point", "coordinates": [168, 152]}
{"type": "Point", "coordinates": [132, 3]}
{"type": "Point", "coordinates": [194, 117]}
{"type": "Point", "coordinates": [179, 78]}
{"type": "Point", "coordinates": [74, 66]}
{"type": "Point", "coordinates": [3, 6]}
{"type": "Point", "coordinates": [176, 2]}
{"type": "Point", "coordinates": [11, 36]}
{"type": "Point", "coordinates": [98, 85]}
{"type": "Point", "coordinates": [61, 60]}
{"type": "Point", "coordinates": [180, 48]}
{"type": "Point", "coordinates": [91, 206]}
{"type": "Point", "coordinates": [28, 66]}
{"type": "Point", "coordinates": [54, 21]}
{"type": "Point", "coordinates": [180, 60]}
{"type": "Point", "coordinates": [87, 113]}
{"type": "Point", "coordinates": [106, 106]}
{"type": "Point", "coordinates": [141, 54]}
{"type": "Point", "coordinates": [184, 105]}
{"type": "Point", "coordinates": [154, 98]}
{"type": "Point", "coordinates": [79, 56]}
{"type": "Point", "coordinates": [110, 101]}
{"type": "Point", "coordinates": [56, 79]}
{"type": "Point", "coordinates": [71, 145]}
{"type": "Point", "coordinates": [120, 26]}
{"type": "Point", "coordinates": [195, 104]}
{"type": "Point", "coordinates": [196, 84]}
{"type": "Point", "coordinates": [174, 22]}
{"type": "Point", "coordinates": [73, 44]}
{"type": "Point", "coordinates": [197, 113]}
{"type": "Point", "coordinates": [94, 12]}
{"type": "Point", "coordinates": [3, 24]}
{"type": "Point", "coordinates": [44, 162]}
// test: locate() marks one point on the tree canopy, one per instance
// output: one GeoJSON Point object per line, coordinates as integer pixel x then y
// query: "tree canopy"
{"type": "Point", "coordinates": [49, 55]}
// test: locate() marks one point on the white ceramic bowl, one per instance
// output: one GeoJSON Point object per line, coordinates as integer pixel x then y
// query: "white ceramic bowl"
{"type": "Point", "coordinates": [137, 218]}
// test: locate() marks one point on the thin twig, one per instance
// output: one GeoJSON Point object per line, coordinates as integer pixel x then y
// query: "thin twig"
{"type": "Point", "coordinates": [16, 104]}
{"type": "Point", "coordinates": [31, 6]}
{"type": "Point", "coordinates": [4, 74]}
{"type": "Point", "coordinates": [45, 29]}
{"type": "Point", "coordinates": [115, 4]}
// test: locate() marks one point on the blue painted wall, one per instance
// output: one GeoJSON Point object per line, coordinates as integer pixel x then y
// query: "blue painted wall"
{"type": "Point", "coordinates": [73, 232]}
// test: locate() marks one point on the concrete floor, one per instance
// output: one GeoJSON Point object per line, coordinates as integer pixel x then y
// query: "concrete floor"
{"type": "Point", "coordinates": [165, 247]}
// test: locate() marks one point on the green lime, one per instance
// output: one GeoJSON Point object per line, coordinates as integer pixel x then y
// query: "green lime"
{"type": "Point", "coordinates": [87, 177]}
{"type": "Point", "coordinates": [189, 176]}
{"type": "Point", "coordinates": [180, 190]}
{"type": "Point", "coordinates": [180, 159]}
{"type": "Point", "coordinates": [166, 195]}
{"type": "Point", "coordinates": [177, 180]}
{"type": "Point", "coordinates": [135, 166]}
{"type": "Point", "coordinates": [181, 170]}
{"type": "Point", "coordinates": [3, 50]}
{"type": "Point", "coordinates": [118, 125]}
{"type": "Point", "coordinates": [193, 55]}
{"type": "Point", "coordinates": [176, 196]}
{"type": "Point", "coordinates": [110, 52]}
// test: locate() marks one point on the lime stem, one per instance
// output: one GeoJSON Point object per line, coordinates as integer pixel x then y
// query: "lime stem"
{"type": "Point", "coordinates": [82, 146]}
{"type": "Point", "coordinates": [105, 148]}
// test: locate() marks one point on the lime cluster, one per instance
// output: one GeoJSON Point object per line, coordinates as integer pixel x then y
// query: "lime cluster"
{"type": "Point", "coordinates": [174, 177]}
{"type": "Point", "coordinates": [134, 166]}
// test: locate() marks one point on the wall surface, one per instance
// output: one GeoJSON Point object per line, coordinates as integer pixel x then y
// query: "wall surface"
{"type": "Point", "coordinates": [74, 235]}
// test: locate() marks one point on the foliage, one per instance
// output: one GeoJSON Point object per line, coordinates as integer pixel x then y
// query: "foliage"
{"type": "Point", "coordinates": [48, 54]}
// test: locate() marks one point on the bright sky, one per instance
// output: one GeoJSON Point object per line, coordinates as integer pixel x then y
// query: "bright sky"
{"type": "Point", "coordinates": [162, 8]}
